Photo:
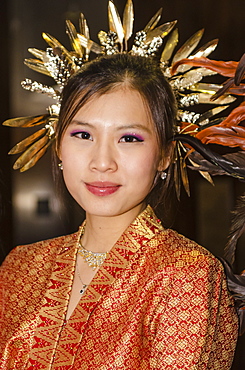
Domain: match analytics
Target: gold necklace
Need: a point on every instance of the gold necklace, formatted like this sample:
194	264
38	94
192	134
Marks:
93	259
84	286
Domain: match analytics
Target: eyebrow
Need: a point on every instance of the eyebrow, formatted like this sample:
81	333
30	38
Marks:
75	122
122	127
135	126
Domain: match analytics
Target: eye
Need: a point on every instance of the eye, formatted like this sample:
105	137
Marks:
82	135
131	139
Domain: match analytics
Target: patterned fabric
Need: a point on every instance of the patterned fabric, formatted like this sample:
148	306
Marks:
159	301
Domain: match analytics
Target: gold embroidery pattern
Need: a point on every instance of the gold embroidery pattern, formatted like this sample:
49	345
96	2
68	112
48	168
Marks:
159	301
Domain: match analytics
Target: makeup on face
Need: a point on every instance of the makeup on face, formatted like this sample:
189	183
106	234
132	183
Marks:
110	154
129	136
102	188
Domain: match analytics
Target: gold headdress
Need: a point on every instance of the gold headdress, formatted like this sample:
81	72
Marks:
59	63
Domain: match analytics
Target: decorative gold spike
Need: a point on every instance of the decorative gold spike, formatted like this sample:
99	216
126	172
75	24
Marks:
201	71
204	174
33	160
115	23
128	20
29	121
207	176
188	47
37	53
160	31
53	43
37	66
170	45
83	26
89	44
153	21
205	87
206	49
184	175
30	152
204	98
74	40
22	145
84	30
177	177
210	113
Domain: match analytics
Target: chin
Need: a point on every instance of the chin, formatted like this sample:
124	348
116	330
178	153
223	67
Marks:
109	210
104	212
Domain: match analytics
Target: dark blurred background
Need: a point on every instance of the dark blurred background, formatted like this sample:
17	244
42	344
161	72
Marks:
31	207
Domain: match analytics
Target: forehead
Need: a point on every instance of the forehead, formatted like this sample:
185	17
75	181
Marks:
118	104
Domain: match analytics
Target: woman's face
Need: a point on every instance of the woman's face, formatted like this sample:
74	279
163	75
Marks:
110	154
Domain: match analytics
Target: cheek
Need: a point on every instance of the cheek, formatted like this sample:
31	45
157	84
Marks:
151	160
61	150
69	161
143	167
67	154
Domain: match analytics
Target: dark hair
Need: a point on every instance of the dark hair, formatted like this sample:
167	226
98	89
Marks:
109	72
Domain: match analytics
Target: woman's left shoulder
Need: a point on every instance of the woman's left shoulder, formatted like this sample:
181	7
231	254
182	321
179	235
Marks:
181	251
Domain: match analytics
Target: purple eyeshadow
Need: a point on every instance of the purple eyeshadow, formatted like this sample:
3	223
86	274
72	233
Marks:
74	132
138	137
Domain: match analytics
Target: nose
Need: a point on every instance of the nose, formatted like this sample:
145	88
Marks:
104	157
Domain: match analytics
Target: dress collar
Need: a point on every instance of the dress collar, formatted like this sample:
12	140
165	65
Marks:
53	312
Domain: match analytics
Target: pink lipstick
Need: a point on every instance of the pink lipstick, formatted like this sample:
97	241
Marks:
102	188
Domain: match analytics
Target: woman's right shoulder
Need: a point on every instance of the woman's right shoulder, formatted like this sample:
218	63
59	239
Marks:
37	251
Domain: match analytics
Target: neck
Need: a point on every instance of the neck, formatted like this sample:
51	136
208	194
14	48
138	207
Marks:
101	233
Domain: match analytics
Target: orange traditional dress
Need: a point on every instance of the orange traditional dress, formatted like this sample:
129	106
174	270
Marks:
159	301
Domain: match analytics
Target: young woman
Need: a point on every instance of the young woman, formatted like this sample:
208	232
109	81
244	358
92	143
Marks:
122	292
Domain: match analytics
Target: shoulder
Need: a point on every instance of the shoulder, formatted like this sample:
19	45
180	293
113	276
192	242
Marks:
175	250
166	247
36	253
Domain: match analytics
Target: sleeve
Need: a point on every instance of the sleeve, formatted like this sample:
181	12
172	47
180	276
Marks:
198	329
15	303
10	281
23	279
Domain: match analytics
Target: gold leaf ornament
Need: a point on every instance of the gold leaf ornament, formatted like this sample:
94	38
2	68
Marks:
27	121
26	160
74	40
115	23
128	21
153	21
161	31
169	47
22	145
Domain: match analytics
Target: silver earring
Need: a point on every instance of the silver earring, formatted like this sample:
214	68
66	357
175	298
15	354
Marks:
60	165
163	175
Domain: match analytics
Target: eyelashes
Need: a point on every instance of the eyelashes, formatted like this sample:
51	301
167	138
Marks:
127	138
81	135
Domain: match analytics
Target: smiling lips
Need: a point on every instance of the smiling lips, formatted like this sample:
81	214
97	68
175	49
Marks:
102	188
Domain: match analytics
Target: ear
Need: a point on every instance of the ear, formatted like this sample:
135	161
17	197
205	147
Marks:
163	164
166	157
58	152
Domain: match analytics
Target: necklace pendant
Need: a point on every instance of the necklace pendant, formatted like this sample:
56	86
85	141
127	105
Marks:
83	289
